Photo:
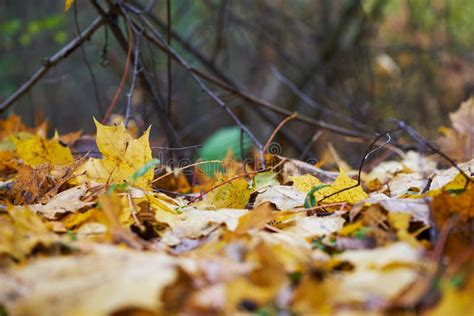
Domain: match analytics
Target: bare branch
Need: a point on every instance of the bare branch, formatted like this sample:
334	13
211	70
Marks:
52	61
162	43
157	101
136	71
88	65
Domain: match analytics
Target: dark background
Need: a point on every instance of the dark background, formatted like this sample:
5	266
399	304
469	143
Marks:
366	61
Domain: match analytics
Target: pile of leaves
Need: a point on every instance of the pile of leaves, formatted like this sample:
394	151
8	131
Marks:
82	235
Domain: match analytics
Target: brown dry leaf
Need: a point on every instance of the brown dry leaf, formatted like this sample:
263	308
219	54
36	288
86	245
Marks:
101	282
71	138
458	142
118	218
8	163
447	204
255	219
312	296
263	283
67	201
174	182
30	184
13	125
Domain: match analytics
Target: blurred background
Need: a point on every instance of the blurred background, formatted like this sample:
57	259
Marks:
352	63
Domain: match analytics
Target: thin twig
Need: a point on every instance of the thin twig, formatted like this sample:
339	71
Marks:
370	150
53	61
312	103
136	71
154	93
274	108
86	61
209	64
310	144
252	99
202	194
186	167
123	79
424	143
179	148
168	60
157	35
272	136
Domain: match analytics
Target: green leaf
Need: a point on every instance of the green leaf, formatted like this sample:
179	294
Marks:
310	200
264	179
143	170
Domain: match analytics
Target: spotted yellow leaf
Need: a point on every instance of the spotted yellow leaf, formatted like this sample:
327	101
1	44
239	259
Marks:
122	157
234	194
342	182
305	182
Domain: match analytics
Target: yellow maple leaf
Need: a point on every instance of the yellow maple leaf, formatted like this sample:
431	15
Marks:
401	222
37	150
304	183
122	157
235	194
22	231
68	4
352	196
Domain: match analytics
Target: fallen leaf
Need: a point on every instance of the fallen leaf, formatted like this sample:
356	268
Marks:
265	179
255	219
400	253
122	155
458	142
419	209
30	184
313	226
379	274
68	201
342	182
37	150
284	197
21	231
305	182
193	223
101	282
234	194
401	222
